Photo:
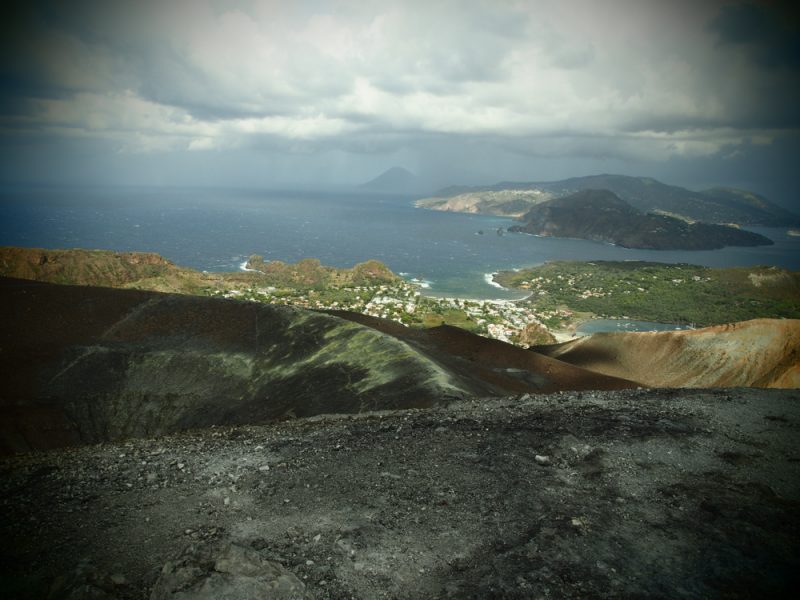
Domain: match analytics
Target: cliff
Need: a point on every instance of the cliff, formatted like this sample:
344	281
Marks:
84	267
502	203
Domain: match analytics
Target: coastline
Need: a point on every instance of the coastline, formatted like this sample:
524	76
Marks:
489	277
427	288
563	334
243	267
570	331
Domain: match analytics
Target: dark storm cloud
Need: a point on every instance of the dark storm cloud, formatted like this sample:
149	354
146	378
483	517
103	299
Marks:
759	46
495	84
769	31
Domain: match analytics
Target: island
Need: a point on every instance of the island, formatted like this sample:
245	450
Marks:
602	216
719	205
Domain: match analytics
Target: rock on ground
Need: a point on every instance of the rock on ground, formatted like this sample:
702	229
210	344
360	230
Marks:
647	494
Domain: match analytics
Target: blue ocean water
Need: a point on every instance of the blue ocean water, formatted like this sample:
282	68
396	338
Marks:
215	230
621	325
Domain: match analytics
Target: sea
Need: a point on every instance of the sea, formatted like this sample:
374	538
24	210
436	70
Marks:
626	325
448	254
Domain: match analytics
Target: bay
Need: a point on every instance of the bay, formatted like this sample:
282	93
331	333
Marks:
625	325
217	229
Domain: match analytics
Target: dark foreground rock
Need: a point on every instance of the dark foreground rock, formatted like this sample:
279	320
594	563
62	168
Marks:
640	493
86	365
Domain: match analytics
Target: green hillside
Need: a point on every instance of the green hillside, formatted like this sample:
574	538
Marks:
657	292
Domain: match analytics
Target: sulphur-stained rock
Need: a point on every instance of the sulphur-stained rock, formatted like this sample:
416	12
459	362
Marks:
236	572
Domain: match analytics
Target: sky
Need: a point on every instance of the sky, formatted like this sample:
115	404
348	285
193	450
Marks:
327	93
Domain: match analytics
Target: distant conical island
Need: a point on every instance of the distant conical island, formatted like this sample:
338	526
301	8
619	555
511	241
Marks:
397	180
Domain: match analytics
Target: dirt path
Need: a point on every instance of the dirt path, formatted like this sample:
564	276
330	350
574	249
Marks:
607	494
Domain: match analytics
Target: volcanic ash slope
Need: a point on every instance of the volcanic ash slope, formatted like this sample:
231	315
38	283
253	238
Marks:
759	353
85	365
621	494
91	364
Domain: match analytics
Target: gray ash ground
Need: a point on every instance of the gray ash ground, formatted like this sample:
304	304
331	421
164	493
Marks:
670	493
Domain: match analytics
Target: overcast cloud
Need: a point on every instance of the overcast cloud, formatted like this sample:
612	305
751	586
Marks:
315	93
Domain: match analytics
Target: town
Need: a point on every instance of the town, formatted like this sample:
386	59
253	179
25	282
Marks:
402	302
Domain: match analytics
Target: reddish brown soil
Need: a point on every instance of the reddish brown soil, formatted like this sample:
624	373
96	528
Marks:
759	353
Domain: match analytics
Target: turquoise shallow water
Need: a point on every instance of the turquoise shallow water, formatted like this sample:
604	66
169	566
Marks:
621	325
216	230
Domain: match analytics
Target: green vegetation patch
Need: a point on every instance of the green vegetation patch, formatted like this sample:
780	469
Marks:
666	293
447	316
309	273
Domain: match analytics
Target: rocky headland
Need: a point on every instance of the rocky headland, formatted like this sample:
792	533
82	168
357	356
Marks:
716	205
149	271
311	273
501	203
602	216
